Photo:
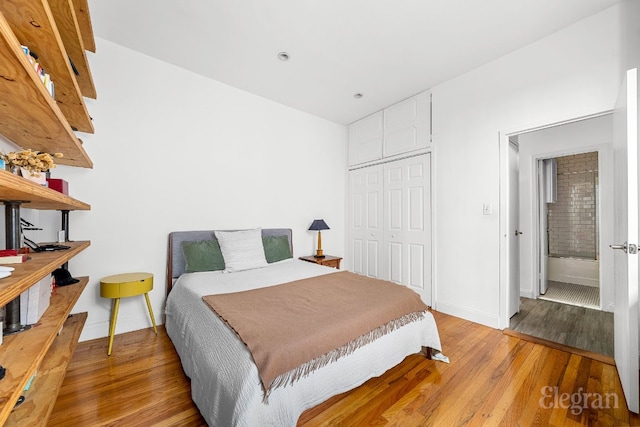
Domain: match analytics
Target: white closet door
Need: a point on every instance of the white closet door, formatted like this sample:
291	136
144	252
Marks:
407	224
365	221
365	139
407	125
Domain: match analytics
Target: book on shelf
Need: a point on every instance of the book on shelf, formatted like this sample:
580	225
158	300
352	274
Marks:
13	259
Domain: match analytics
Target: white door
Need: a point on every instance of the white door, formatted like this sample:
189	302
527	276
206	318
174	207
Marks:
407	216
625	145
407	125
365	221
365	139
514	232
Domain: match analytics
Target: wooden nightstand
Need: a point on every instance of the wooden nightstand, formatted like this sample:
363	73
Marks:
328	260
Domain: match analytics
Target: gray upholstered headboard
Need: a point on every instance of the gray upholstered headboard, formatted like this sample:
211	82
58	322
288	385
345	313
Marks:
175	258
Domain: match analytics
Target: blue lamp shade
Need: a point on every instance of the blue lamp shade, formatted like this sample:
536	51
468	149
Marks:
318	224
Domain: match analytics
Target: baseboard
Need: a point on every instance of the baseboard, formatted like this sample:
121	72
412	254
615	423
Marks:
100	329
468	314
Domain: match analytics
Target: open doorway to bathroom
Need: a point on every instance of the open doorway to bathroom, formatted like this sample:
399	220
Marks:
572	230
565	213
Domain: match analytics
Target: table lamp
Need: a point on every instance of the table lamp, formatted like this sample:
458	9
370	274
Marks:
319	224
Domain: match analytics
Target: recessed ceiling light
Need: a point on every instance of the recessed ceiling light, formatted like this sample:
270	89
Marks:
283	56
357	95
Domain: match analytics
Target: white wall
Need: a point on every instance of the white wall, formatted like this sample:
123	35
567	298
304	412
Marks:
582	136
176	151
572	73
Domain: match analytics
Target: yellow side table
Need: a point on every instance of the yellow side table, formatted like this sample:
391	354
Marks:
122	286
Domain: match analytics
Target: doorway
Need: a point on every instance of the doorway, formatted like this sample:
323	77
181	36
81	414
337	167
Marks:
584	140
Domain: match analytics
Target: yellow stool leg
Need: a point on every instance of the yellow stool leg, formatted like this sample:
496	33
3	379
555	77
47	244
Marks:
153	320
112	327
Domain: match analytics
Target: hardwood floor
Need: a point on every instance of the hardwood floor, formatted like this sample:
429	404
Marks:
493	379
579	327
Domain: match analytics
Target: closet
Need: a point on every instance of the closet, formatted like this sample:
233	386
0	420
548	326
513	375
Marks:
389	195
389	222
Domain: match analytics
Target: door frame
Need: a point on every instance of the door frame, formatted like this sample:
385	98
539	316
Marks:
505	185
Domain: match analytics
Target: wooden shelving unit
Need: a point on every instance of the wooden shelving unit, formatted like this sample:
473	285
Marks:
58	31
23	354
29	116
34	25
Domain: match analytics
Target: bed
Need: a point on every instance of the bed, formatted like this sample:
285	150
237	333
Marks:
225	382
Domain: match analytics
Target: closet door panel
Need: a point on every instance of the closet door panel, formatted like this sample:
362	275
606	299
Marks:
390	223
416	266
407	237
395	262
365	221
373	259
357	253
356	222
365	139
407	125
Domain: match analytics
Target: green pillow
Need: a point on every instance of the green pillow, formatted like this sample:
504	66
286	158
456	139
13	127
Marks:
202	255
276	248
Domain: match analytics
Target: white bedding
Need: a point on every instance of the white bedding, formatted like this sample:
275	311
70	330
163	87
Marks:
224	380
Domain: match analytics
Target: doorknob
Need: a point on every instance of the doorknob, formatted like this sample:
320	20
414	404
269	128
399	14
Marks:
630	248
518	233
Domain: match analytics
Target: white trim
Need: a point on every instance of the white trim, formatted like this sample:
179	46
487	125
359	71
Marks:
390	159
470	314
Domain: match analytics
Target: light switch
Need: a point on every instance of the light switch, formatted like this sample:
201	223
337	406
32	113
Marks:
487	209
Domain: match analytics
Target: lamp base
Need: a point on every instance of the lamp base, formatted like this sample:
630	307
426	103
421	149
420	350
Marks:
318	256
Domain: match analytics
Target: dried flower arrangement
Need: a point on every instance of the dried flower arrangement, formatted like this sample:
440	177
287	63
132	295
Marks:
33	161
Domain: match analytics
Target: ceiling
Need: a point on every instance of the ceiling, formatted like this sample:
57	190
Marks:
387	50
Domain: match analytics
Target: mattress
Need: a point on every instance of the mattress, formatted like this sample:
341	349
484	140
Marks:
225	384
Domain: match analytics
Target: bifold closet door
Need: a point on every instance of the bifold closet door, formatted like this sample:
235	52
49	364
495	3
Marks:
365	221
407	224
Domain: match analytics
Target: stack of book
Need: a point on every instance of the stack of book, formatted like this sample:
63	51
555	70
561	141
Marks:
12	256
45	77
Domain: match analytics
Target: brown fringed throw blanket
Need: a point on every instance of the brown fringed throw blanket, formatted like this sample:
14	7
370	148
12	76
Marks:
295	328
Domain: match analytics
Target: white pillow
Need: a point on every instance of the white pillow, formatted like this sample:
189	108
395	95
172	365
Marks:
242	250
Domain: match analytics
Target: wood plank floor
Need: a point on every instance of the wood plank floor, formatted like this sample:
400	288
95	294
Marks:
493	379
574	326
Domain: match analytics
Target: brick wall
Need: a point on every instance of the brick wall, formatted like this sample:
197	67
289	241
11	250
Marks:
573	220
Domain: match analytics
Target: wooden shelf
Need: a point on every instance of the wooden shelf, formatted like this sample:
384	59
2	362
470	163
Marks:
40	265
33	24
23	353
41	396
69	29
34	196
28	115
84	22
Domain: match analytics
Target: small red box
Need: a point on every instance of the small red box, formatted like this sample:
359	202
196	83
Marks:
59	185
